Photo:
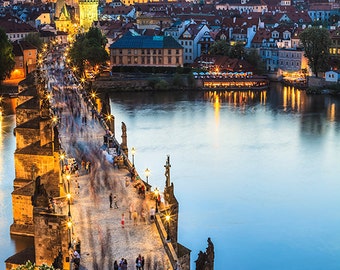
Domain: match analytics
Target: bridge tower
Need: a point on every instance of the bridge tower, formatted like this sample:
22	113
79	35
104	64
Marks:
88	13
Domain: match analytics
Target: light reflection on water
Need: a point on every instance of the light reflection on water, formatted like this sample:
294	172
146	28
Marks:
9	245
255	171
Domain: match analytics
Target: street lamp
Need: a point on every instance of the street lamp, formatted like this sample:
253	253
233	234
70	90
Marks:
68	195
69	226
156	198
133	152
167	219
147	173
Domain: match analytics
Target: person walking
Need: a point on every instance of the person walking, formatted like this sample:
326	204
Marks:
115	201
122	221
139	262
110	198
135	217
115	265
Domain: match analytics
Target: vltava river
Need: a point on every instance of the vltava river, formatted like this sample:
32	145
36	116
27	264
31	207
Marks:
258	172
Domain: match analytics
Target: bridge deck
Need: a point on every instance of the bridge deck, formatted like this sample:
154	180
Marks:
95	224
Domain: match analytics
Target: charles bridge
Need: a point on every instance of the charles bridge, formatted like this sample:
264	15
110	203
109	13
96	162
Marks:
65	208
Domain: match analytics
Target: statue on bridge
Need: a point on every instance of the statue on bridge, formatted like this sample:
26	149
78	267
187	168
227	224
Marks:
40	197
205	259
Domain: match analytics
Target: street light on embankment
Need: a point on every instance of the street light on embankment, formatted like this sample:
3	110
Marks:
167	219
147	173
133	152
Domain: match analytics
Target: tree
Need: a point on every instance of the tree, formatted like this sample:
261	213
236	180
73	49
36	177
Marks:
89	47
253	58
6	56
316	42
35	40
237	51
220	47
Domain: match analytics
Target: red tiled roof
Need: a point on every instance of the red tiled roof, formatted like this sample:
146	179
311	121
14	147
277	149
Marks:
16	26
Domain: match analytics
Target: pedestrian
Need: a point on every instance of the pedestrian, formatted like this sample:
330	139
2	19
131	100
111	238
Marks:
143	262
139	262
130	210
115	265
135	216
115	201
61	205
152	214
122	222
125	265
110	199
143	215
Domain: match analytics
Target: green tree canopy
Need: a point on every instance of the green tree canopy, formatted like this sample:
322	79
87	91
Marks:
35	40
6	56
237	51
89	47
316	42
220	47
253	58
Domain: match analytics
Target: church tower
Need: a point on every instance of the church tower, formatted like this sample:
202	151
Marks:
88	13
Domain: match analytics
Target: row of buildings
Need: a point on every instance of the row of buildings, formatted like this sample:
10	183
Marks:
181	33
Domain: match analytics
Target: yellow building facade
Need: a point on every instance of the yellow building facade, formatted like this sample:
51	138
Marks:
88	13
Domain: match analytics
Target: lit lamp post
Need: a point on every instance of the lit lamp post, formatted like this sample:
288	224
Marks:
133	152
68	195
69	226
147	173
167	219
156	198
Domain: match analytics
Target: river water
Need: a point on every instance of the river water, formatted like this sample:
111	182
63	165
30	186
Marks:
256	171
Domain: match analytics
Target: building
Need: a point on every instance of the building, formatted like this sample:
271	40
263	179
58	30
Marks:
15	28
88	13
332	76
25	56
190	41
153	51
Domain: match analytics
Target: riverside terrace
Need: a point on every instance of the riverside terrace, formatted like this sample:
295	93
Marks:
231	81
84	220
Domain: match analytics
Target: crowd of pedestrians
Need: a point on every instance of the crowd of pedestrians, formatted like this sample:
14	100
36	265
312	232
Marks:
73	110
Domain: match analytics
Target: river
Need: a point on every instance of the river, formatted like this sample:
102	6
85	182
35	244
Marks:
256	171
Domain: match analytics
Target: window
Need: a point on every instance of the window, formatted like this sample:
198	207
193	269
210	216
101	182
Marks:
120	51
136	60
148	51
129	51
120	59
154	60
143	52
129	60
177	51
159	60
136	51
177	60
159	51
143	60
154	51
169	59
148	60
114	60
169	51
